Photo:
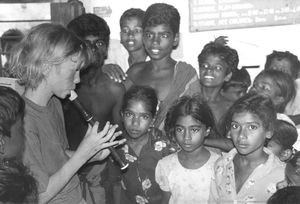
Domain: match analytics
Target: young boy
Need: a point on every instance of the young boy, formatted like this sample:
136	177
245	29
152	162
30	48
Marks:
237	86
169	78
47	62
98	94
131	37
283	139
249	172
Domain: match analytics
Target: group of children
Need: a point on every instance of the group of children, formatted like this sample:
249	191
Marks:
176	125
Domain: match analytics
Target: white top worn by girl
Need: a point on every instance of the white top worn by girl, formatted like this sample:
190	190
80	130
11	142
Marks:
189	186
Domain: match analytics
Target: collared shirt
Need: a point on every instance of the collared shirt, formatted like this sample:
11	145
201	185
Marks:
259	186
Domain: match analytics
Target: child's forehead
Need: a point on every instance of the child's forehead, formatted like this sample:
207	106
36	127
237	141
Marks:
131	20
246	116
159	28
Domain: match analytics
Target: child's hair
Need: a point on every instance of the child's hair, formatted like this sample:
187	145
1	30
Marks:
90	24
161	13
194	106
293	161
256	104
226	53
132	13
16	183
12	108
141	93
9	38
44	46
285	134
293	59
240	78
284	83
287	195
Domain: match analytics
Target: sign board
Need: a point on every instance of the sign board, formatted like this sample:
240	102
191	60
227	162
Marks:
229	14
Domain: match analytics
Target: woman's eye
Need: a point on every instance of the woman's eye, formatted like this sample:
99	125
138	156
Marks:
128	114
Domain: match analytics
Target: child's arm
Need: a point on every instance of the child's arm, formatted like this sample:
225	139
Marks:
223	144
92	143
165	197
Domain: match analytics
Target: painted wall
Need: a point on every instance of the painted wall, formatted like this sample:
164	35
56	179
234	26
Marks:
253	44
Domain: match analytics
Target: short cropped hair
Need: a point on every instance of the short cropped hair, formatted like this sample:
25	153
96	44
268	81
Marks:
285	134
132	13
9	37
227	54
293	59
12	108
90	24
240	78
161	13
256	104
44	46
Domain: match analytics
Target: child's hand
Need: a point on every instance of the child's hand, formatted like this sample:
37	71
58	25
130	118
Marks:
95	141
114	72
221	40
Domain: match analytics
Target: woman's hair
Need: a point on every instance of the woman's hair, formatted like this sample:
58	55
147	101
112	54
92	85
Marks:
132	13
90	24
193	106
17	185
285	84
161	13
43	47
145	94
12	108
256	104
226	53
279	55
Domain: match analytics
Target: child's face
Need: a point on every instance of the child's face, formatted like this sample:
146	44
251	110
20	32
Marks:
190	133
248	133
64	77
14	145
159	41
213	71
98	46
266	86
136	119
131	34
283	65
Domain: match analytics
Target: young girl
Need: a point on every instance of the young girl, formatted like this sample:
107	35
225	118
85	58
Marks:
185	176
249	172
143	149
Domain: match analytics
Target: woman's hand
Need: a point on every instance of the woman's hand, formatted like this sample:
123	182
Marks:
114	72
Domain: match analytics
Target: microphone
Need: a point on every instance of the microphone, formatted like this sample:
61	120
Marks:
90	119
